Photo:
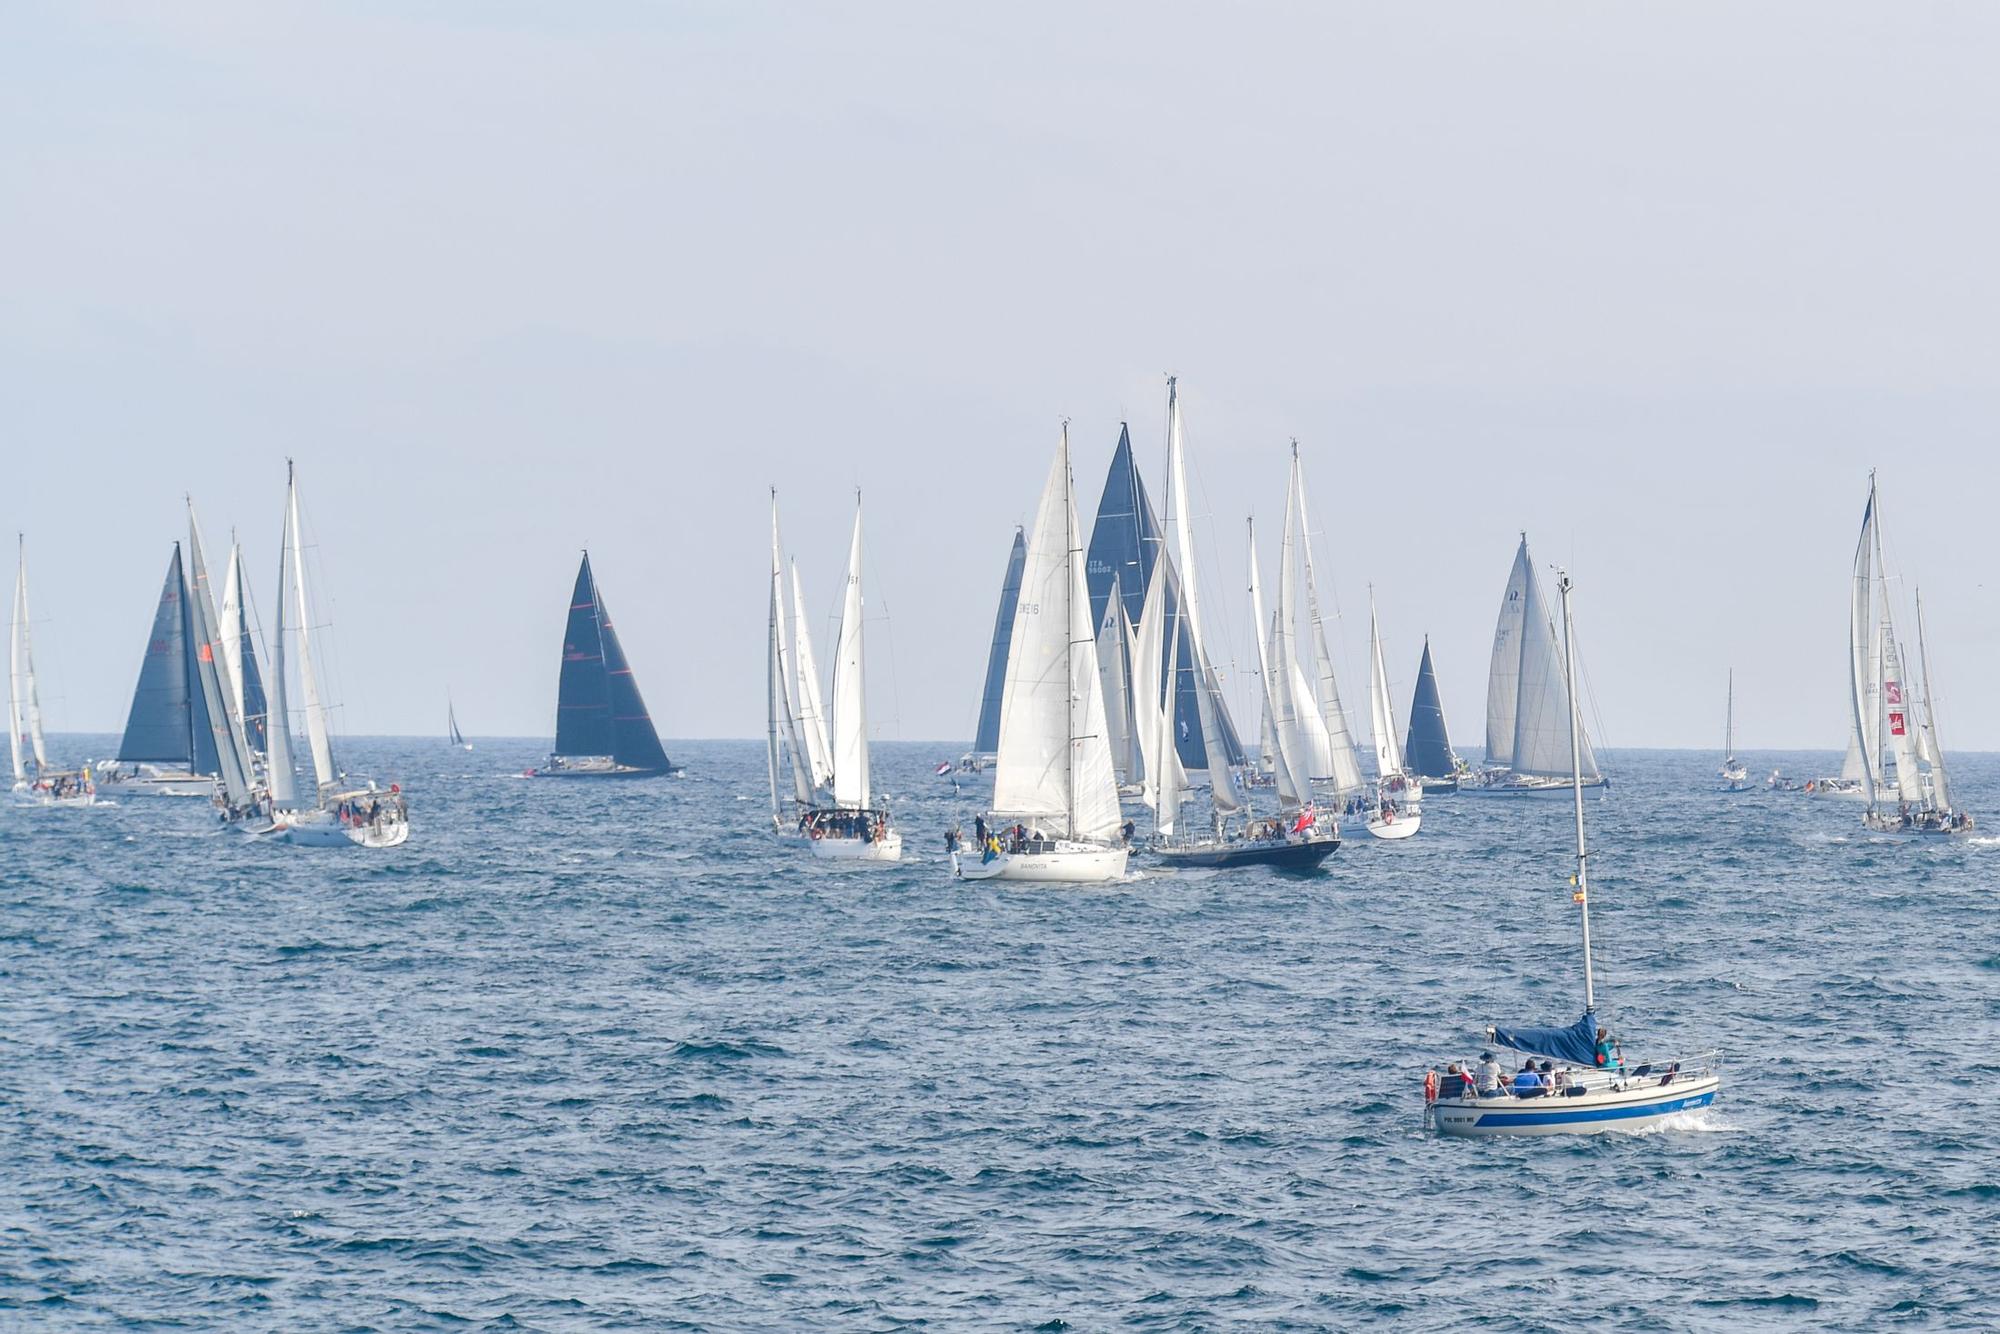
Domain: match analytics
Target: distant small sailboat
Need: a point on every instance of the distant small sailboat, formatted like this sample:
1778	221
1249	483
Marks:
453	736
35	780
977	763
1591	1091
602	727
1055	813
1428	747
1912	764
1526	745
1399	798
337	812
168	748
1735	777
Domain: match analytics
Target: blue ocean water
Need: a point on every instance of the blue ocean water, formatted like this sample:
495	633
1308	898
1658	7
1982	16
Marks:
608	1055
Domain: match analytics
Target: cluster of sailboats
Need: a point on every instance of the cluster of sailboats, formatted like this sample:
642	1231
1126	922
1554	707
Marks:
206	721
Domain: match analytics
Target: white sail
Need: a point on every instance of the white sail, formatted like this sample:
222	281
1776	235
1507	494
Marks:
1114	670
1940	783
1343	769
1215	723
1173	784
1150	731
232	741
1054	765
231	641
850	694
1281	724
1864	667
1503	678
317	734
24	703
811	713
1316	746
280	773
1899	728
784	733
1388	750
1541	719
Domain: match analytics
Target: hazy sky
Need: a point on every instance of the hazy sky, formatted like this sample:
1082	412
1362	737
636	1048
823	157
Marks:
1657	283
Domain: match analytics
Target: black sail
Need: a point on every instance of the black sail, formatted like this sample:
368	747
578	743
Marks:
1125	545
255	708
160	728
583	697
988	740
1428	749
634	742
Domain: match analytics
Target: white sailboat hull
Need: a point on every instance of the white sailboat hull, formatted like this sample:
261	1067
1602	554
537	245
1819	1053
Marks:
1065	863
1635	1106
160	784
888	848
1517	786
27	795
1404	825
322	829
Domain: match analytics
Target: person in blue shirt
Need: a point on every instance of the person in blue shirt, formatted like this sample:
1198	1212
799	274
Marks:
1528	1084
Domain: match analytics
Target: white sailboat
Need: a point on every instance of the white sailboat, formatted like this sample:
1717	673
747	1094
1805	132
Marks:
853	827
1581	1086
1735	777
1911	771
1399	797
335	813
1055	810
1526	745
35	780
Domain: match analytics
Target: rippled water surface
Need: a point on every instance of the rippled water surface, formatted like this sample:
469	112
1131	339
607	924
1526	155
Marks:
600	1055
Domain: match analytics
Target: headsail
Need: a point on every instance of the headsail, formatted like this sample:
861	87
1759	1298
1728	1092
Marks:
1388	756
167	724
24	701
583	694
1503	678
1343	769
232	752
849	734
811	713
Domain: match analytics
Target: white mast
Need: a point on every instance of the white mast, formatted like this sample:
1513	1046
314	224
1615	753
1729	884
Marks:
850	694
1576	785
1729	724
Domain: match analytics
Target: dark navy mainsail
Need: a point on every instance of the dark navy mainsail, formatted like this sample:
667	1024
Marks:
1576	1044
583	694
1428	749
1125	545
598	708
255	709
160	728
987	741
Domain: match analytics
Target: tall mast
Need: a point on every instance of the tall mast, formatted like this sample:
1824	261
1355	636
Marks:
1576	786
773	679
1729	721
1074	553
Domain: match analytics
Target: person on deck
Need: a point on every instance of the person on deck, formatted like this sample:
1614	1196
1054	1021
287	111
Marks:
1490	1074
1606	1051
1528	1083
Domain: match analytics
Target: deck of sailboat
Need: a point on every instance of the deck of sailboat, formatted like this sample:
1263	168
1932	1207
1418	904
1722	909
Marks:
1283	854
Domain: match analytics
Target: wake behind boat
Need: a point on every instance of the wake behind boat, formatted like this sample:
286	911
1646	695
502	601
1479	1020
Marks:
1580	1085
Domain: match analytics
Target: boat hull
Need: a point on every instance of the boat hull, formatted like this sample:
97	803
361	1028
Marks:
1306	855
157	785
1560	789
320	829
1403	826
888	848
1593	1113
1439	784
605	771
1072	864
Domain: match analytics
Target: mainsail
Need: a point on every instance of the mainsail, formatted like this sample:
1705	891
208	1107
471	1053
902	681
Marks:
849	734
1341	767
225	725
1287	766
1527	722
599	711
1388	757
241	678
805	685
24	702
1429	744
784	736
987	739
167	723
1114	668
1054	764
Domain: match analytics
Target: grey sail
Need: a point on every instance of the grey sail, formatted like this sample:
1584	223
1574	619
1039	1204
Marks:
168	723
1428	749
987	741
